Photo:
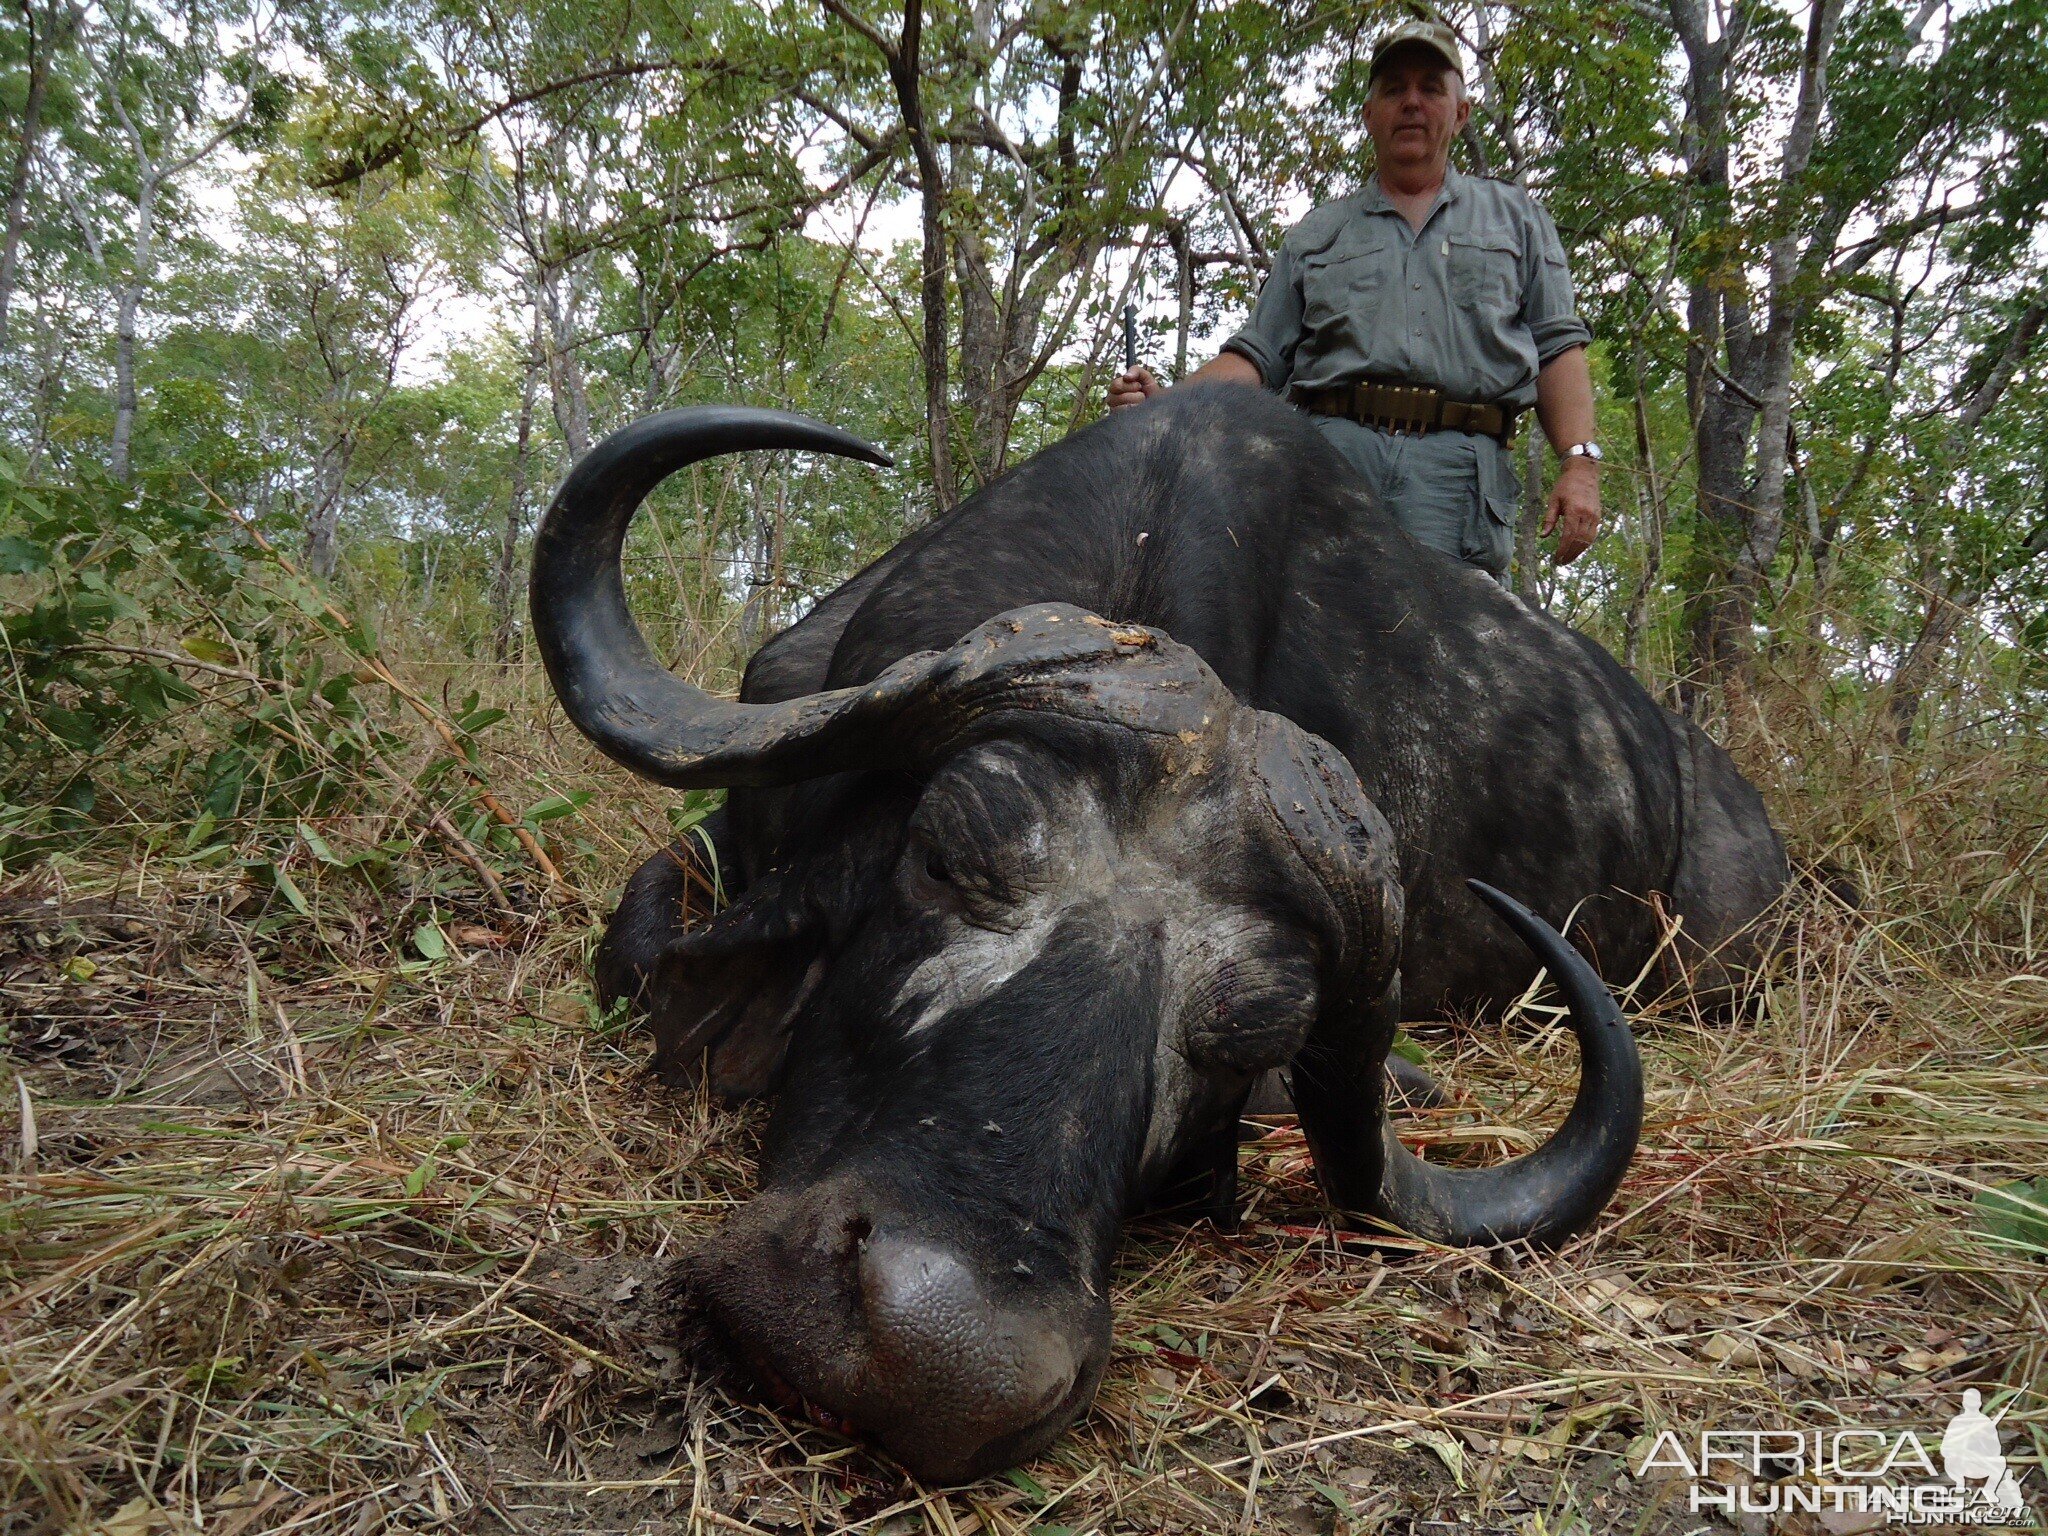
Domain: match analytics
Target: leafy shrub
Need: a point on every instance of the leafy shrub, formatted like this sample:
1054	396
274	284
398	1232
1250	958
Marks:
169	676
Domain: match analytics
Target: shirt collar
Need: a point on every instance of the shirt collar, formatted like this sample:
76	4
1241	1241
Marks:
1375	199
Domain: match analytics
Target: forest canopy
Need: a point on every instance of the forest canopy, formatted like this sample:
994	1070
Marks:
373	274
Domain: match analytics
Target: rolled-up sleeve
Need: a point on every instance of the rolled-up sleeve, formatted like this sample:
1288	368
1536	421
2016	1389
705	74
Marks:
1274	330
1547	305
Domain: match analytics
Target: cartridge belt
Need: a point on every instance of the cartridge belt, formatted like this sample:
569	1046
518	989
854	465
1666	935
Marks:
1411	408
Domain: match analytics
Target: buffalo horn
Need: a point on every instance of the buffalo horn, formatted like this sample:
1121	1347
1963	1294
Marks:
1561	1187
641	715
616	693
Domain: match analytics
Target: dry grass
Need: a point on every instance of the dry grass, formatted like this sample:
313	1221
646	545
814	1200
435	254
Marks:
313	1234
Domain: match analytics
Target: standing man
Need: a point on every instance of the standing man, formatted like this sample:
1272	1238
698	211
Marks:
1418	319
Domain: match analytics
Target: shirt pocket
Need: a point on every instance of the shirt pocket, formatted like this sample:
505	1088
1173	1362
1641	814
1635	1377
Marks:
1341	288
1485	272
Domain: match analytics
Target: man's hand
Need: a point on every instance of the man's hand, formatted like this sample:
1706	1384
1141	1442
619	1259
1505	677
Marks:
1133	388
1574	510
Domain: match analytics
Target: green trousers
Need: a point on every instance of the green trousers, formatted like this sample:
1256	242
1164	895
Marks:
1452	490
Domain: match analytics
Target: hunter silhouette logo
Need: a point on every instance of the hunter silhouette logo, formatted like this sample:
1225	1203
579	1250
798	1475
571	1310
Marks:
1971	1451
1883	1472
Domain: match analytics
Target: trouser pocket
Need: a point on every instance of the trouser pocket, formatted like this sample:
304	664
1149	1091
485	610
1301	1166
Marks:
1497	502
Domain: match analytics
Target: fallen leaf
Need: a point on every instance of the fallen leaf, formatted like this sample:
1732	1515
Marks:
1920	1361
243	1496
1797	1361
1602	1292
1737	1349
1850	1522
1528	1448
138	1517
1447	1449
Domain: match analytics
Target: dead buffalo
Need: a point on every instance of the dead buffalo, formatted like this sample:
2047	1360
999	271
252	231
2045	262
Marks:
1162	762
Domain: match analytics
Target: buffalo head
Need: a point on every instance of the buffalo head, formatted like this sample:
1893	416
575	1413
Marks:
1055	901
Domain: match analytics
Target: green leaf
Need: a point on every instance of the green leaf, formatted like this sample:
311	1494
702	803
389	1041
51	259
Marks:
556	806
421	1176
72	727
2015	1214
1409	1049
308	599
318	845
206	648
1342	1504
431	943
218	1374
292	893
1026	1483
20	557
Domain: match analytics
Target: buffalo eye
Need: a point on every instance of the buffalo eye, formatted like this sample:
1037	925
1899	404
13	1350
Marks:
929	876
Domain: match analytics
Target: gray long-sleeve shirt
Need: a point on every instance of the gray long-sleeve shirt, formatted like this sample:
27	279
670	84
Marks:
1474	303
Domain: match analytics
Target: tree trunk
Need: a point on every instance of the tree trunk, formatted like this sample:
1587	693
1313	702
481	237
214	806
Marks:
1528	582
1650	509
931	190
566	388
981	351
323	520
39	51
762	560
1765	513
141	270
1183	294
505	578
1945	615
121	444
1717	353
1739	384
1959	598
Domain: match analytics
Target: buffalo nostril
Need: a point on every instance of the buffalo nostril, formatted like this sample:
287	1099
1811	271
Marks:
935	1329
855	1231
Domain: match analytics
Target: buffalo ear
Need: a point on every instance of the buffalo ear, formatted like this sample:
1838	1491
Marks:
716	992
721	994
721	1001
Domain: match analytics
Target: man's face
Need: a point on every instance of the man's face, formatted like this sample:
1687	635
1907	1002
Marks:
1416	108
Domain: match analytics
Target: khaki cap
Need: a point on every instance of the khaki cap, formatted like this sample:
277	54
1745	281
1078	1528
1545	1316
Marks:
1433	35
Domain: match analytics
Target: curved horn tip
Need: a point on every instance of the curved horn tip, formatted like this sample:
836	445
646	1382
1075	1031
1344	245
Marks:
1571	969
873	455
1558	1190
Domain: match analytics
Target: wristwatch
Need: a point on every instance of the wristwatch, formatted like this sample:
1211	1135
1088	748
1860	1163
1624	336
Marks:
1585	450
